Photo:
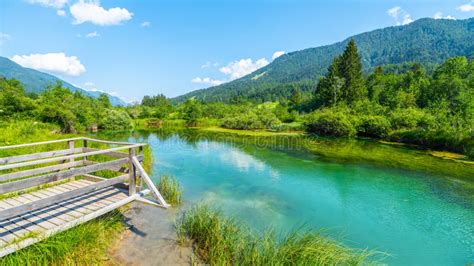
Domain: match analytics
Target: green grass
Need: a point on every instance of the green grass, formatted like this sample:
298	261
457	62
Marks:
219	240
85	244
170	189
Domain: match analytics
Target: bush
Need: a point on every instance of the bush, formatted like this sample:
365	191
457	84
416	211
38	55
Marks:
116	120
330	122
243	121
410	118
374	126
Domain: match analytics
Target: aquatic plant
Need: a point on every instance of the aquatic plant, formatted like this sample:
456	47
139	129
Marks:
171	190
219	240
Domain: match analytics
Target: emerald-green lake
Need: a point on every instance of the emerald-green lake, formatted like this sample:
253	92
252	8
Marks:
417	218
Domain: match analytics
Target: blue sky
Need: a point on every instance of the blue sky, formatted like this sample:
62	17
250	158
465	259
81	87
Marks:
132	48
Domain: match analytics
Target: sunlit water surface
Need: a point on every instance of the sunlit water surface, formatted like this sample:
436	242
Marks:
416	218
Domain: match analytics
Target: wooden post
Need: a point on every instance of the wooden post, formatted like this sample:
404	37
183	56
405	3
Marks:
85	146
140	180
70	145
131	172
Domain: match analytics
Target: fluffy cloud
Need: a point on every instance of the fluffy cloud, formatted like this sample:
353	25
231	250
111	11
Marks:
52	62
4	38
145	24
207	81
50	3
89	84
401	16
466	7
242	67
61	13
92	12
93	34
277	54
439	15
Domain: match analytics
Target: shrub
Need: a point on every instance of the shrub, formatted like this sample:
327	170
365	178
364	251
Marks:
116	120
330	122
410	118
248	120
374	126
170	189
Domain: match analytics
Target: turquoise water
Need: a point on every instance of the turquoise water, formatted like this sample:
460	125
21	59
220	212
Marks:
416	218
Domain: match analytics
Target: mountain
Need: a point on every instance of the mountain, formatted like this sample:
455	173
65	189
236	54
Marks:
36	81
427	41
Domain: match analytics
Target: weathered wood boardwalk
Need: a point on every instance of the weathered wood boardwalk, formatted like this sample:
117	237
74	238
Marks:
47	192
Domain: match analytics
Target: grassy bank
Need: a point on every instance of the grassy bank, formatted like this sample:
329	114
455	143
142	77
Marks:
85	244
219	240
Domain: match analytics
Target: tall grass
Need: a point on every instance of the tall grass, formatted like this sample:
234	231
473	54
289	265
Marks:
84	244
170	189
219	240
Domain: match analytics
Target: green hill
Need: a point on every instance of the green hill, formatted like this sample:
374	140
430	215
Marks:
427	41
36	81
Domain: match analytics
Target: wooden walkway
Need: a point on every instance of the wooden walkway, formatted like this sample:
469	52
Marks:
51	191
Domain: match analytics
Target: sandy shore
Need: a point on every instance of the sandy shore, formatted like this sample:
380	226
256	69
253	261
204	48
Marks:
150	239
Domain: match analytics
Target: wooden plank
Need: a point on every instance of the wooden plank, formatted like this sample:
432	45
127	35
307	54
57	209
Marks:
12	248
38	180
62	158
112	142
37	156
116	154
37	171
37	143
149	183
29	206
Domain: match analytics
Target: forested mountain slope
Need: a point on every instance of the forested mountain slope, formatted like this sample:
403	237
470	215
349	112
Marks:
426	41
36	81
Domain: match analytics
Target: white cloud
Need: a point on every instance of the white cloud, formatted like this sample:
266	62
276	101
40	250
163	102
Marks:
277	54
207	81
4	38
210	64
145	24
93	34
61	13
400	16
242	67
439	15
466	7
92	12
89	84
52	62
50	3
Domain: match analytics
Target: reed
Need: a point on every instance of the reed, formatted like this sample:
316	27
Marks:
219	240
171	190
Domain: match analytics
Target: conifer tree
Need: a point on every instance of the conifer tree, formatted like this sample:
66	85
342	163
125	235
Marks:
350	68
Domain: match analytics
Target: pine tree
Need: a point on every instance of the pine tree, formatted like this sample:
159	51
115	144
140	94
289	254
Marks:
350	68
329	90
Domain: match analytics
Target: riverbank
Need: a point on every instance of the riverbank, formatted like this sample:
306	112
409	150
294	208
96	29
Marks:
354	151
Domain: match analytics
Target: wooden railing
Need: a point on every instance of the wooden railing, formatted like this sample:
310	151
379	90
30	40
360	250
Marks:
27	171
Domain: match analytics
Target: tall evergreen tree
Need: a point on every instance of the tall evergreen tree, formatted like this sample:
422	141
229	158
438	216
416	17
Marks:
329	90
350	69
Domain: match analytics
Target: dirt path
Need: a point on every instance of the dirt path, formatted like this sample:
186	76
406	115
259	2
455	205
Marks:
150	239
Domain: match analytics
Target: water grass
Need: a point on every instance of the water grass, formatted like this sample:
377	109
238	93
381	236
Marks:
85	244
219	240
170	189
